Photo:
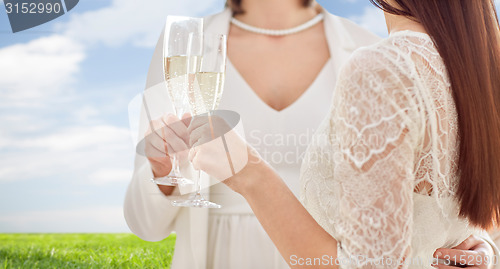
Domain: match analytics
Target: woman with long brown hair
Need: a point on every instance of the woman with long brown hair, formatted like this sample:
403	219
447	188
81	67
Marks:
408	159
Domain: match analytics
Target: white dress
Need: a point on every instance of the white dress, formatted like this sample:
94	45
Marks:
232	237
381	176
281	138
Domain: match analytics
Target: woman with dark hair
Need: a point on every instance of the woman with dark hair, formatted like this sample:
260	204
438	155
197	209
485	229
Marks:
406	163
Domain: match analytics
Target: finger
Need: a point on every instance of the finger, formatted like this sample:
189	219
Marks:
478	245
197	122
198	134
192	154
155	146
159	160
201	141
202	137
153	152
443	266
195	162
161	149
458	256
195	154
177	126
175	143
186	119
469	243
164	144
164	137
155	136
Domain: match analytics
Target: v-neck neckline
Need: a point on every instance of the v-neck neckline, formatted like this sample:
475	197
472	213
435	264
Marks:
295	102
336	37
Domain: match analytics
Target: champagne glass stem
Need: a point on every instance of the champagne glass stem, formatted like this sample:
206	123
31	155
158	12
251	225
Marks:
198	185
175	164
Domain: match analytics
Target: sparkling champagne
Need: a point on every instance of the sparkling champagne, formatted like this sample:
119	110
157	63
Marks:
207	91
179	71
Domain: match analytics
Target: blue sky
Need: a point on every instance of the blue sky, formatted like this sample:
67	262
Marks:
66	152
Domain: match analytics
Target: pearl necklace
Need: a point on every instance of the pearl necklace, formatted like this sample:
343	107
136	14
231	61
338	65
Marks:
282	32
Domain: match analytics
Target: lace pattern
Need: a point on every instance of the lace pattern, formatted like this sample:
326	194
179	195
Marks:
391	134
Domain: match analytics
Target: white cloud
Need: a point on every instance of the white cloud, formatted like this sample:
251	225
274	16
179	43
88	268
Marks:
95	219
86	113
106	176
77	138
137	22
372	19
45	66
20	123
77	151
39	68
37	90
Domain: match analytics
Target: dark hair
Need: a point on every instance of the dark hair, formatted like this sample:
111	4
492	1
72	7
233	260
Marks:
235	5
467	36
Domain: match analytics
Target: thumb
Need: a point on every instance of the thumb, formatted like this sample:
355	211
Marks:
186	119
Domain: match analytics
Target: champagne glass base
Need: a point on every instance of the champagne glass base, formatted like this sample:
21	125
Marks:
172	181
198	201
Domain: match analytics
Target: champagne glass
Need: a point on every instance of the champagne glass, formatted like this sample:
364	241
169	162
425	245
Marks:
204	97
181	55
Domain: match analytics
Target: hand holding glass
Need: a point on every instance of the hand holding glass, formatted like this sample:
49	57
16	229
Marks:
204	96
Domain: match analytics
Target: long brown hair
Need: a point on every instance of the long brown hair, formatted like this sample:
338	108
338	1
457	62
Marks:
235	5
466	34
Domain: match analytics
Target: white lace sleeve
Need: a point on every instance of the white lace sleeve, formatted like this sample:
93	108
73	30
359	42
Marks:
377	129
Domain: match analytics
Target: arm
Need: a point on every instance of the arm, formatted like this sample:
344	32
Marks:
286	221
376	132
147	209
376	171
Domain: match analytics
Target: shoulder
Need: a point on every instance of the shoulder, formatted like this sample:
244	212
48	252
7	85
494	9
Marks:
403	54
218	20
382	70
383	76
384	59
350	32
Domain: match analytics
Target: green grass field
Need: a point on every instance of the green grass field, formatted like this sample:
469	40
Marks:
83	251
